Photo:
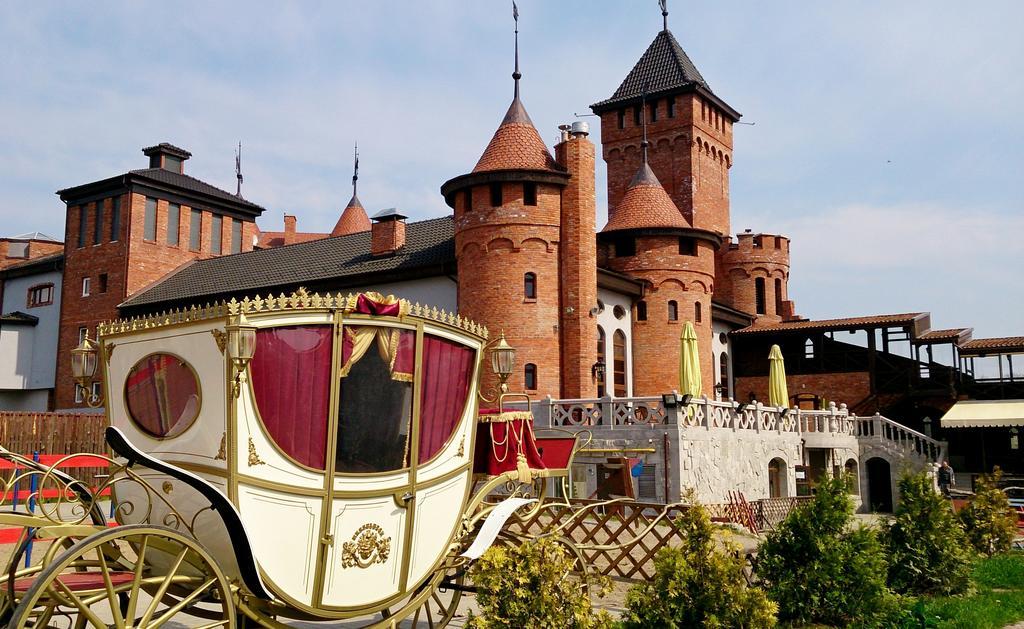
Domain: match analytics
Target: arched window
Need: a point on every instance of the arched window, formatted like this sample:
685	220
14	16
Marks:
723	375
850	469
759	300
673	310
778	296
698	312
530	286
602	377
641	311
619	363
809	348
777	481
530	377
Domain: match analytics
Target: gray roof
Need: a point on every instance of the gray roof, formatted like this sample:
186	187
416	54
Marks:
162	175
34	236
343	260
664	67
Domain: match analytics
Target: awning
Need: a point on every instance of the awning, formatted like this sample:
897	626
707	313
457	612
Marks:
985	414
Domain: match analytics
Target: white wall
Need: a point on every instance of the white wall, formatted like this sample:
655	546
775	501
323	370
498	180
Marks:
717	347
608	322
28	354
440	291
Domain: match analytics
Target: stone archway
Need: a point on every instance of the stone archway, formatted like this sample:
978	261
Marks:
778	484
850	468
879	494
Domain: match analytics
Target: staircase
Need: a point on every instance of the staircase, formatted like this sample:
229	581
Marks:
878	435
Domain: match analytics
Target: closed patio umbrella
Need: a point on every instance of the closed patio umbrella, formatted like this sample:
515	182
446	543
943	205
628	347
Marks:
778	393
689	362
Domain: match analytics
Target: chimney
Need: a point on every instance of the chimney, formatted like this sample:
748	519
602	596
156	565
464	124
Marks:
289	229
167	156
387	234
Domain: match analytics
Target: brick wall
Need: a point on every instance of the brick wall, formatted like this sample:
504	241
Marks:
754	256
36	249
690	154
841	388
496	247
578	271
668	276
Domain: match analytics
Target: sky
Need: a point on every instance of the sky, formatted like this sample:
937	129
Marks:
883	137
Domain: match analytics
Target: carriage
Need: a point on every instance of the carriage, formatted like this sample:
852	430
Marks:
301	457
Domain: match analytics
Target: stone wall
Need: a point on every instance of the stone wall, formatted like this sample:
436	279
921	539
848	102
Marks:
713	462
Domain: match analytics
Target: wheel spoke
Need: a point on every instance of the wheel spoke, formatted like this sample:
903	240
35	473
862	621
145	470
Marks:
163	587
180	605
219	623
140	562
77	602
115	607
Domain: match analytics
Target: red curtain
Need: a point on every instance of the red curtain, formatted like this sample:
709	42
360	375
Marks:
162	395
447	369
291	378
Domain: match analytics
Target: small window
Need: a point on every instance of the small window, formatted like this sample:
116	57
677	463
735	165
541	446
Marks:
619	364
81	334
654	111
86	286
759	299
601	375
778	296
622	118
530	377
687	246
17	250
467	200
173	221
83	217
671	106
97	225
162	395
637	116
673	310
115	219
625	246
41	295
529	193
723	375
778	242
216	234
641	311
619	312
101	282
236	236
530	285
809	348
149	224
698	312
79	394
172	163
496	199
195	230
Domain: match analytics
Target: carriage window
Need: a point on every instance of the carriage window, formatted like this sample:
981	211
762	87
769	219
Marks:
291	381
162	395
447	372
376	399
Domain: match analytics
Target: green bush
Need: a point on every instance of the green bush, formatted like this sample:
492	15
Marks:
698	585
530	585
928	550
990	524
819	568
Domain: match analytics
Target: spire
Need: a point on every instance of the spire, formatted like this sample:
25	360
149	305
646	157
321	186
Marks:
643	119
353	219
516	75
664	14
355	170
238	170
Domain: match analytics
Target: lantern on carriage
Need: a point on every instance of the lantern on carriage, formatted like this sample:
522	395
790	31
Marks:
84	360
241	347
503	360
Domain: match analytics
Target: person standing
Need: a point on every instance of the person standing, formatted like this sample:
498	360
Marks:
946	478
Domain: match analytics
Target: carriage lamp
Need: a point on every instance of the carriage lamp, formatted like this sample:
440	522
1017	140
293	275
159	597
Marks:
84	360
241	348
503	360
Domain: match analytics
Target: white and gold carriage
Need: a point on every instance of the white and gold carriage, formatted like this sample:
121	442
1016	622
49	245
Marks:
299	457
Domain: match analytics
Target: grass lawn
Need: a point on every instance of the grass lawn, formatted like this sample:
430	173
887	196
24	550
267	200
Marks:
999	600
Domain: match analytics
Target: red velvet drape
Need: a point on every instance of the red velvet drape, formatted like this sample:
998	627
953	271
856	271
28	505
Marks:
291	378
447	369
162	395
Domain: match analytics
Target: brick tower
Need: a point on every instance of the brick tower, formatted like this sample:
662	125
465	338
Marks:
353	219
512	213
667	142
127	231
753	276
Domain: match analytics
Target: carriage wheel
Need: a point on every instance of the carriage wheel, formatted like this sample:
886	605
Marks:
438	609
121	577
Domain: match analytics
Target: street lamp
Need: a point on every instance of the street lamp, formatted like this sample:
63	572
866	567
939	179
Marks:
241	348
84	360
503	361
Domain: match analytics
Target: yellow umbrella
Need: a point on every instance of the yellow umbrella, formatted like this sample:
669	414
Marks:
689	362
778	393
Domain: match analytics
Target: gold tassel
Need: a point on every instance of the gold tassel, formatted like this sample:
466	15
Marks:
525	475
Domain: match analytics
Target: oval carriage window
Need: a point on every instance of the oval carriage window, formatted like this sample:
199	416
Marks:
162	395
291	381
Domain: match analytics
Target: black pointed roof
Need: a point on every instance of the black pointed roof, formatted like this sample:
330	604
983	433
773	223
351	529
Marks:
663	68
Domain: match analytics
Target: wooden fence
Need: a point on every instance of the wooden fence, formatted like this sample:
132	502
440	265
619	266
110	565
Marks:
55	434
625	524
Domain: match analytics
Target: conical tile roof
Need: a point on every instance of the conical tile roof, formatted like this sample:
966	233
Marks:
664	66
516	145
645	205
353	220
